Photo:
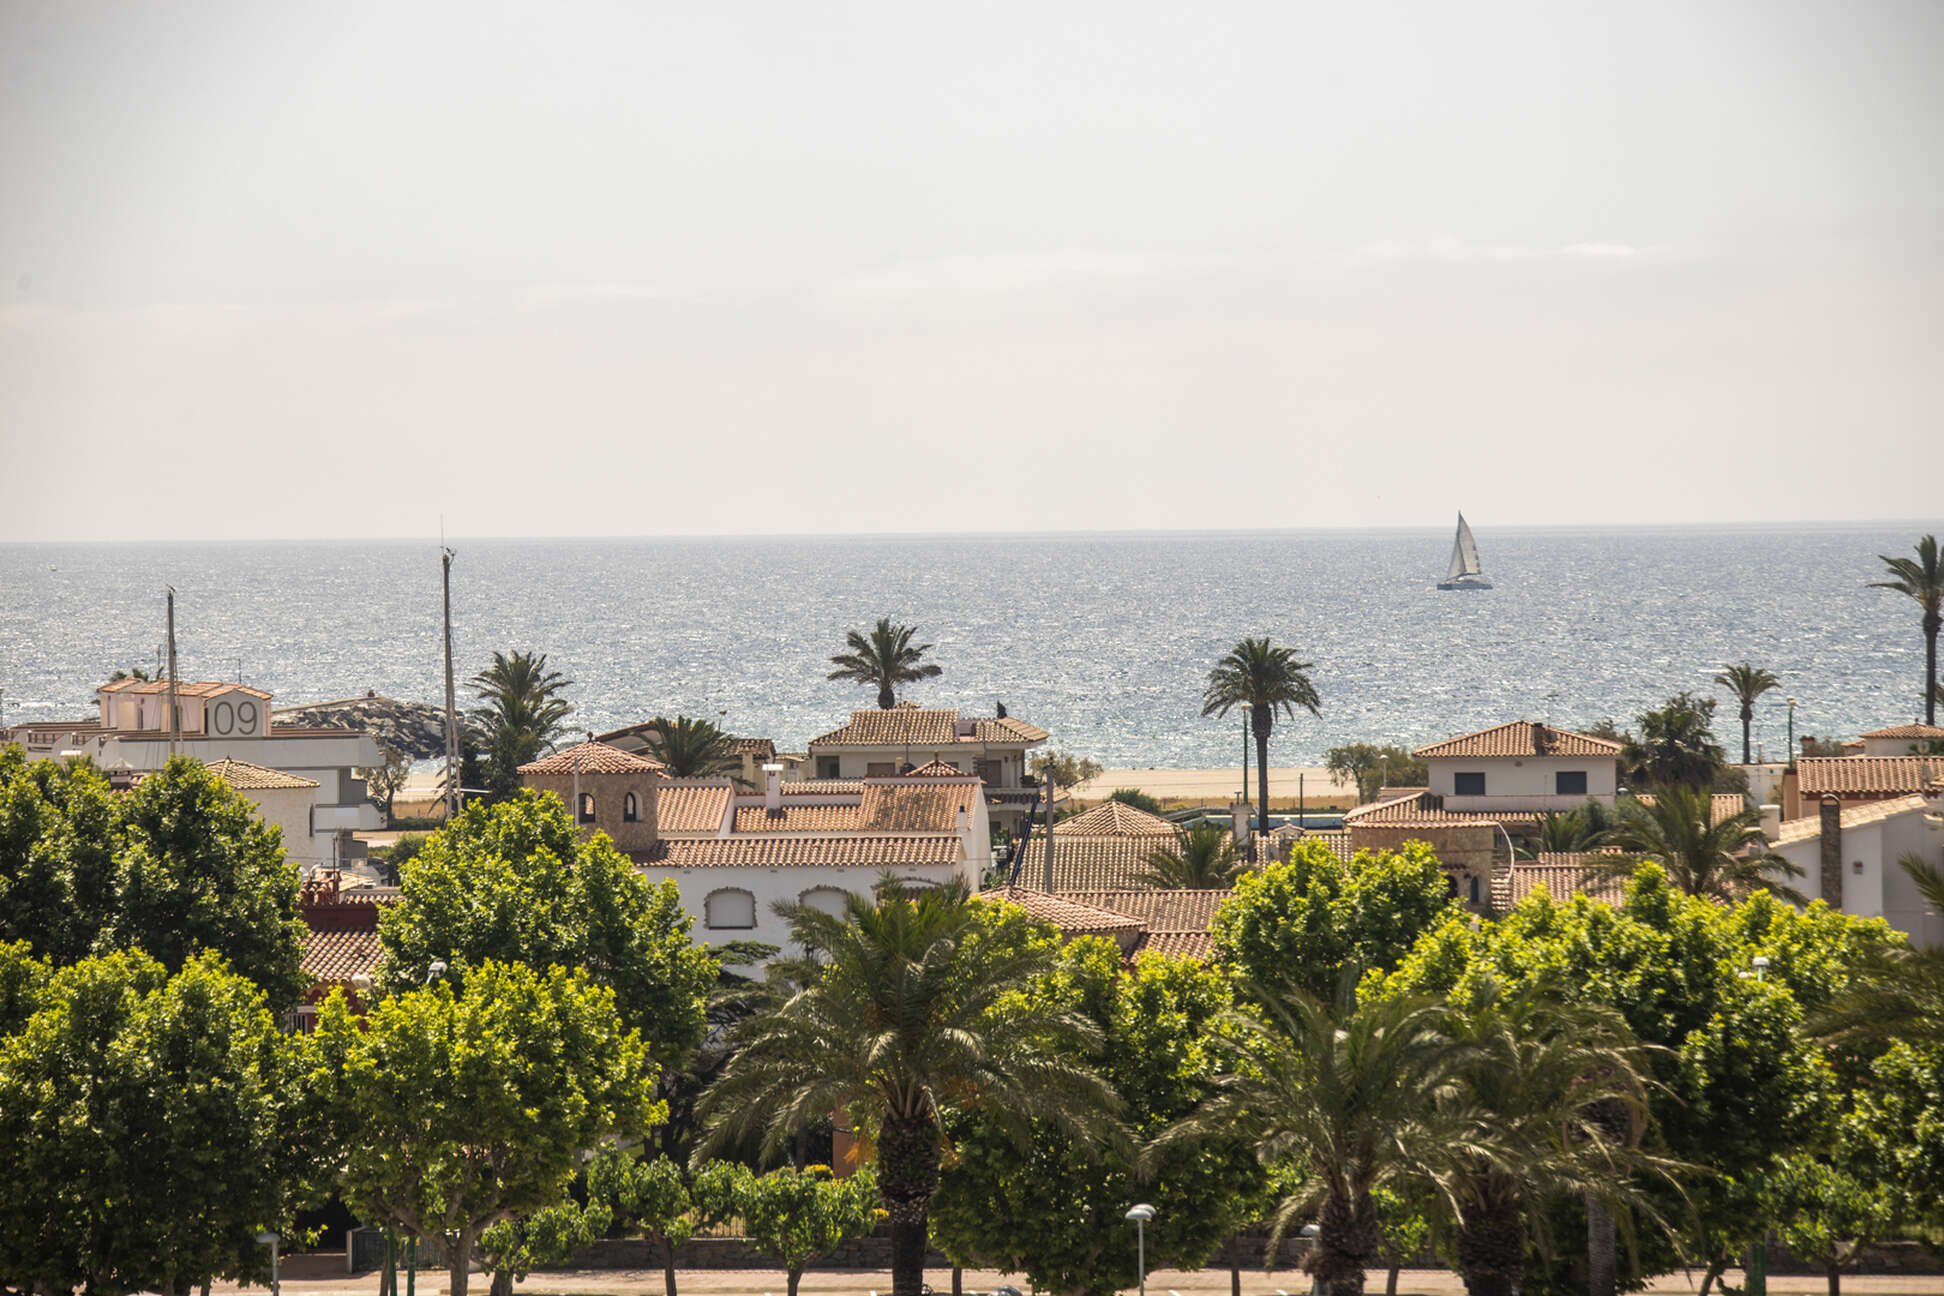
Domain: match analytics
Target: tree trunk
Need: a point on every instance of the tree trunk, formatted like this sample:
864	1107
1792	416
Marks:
1235	1271
668	1265
1602	1277
1932	624
1390	1281
1491	1247
886	698
1748	718
1347	1243
794	1276
1261	720
1835	1281
503	1283
907	1178
461	1266
1716	1267
958	1280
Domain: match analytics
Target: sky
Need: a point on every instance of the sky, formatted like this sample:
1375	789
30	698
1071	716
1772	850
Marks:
358	270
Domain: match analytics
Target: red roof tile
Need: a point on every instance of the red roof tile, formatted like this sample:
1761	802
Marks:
1116	819
1522	738
1866	775
771	851
592	758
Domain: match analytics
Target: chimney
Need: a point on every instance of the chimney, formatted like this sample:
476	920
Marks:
1806	740
1538	738
964	825
1791	793
1771	821
1239	821
1832	852
773	789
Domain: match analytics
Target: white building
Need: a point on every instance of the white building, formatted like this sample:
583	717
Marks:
735	854
222	720
1525	766
880	744
1901	740
1848	857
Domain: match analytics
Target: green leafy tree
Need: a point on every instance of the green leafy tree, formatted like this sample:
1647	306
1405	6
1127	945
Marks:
459	1110
1827	1214
1922	580
655	1198
1897	992
1064	768
522	716
1747	682
1266	679
1299	922
1724	860
147	1127
551	1235
1136	798
692	748
57	854
196	868
1368	767
914	1011
1347	1095
1733	1084
383	781
1676	747
800	1215
1203	858
1896	1127
1405	1230
517	881
1054	1211
883	660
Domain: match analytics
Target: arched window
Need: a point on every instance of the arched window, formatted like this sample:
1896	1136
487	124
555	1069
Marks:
587	807
729	909
1474	890
1451	886
630	808
824	899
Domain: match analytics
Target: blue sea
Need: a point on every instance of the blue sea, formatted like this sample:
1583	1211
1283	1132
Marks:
1106	640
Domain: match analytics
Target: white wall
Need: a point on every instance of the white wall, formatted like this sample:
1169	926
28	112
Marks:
770	885
1525	776
1879	888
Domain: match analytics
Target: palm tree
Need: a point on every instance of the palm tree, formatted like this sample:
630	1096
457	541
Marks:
887	659
1897	992
1676	745
1725	861
1202	859
1265	679
692	748
1555	1092
915	1009
523	714
1922	579
1747	683
1348	1098
1582	828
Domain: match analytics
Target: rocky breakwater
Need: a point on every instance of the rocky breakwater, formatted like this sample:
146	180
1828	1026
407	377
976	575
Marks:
416	729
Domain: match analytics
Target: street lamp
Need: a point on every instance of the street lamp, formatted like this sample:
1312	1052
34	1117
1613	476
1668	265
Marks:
270	1240
1791	753
1312	1232
435	971
1141	1214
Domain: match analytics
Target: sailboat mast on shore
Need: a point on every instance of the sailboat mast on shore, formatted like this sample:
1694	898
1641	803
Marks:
1464	571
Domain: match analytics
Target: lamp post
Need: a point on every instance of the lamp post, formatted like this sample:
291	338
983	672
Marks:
270	1240
1791	753
1140	1215
1312	1232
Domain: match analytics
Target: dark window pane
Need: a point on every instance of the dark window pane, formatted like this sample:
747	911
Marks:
1570	783
1468	784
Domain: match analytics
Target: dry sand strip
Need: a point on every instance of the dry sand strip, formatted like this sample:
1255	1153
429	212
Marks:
325	1276
1218	786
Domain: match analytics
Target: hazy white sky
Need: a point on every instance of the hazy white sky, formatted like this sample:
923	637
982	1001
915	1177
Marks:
282	269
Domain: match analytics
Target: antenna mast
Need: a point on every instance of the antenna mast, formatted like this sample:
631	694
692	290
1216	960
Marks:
175	706
453	792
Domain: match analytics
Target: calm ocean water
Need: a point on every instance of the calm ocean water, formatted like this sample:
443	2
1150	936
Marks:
1103	639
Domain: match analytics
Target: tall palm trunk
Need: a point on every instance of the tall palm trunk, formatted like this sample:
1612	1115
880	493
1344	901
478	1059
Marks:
1932	622
1491	1246
1347	1243
1748	719
907	1178
886	698
1602	1257
1261	721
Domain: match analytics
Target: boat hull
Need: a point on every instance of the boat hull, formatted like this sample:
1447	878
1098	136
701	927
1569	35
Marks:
1465	583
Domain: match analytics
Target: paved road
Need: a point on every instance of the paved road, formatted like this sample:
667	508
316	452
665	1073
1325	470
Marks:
325	1276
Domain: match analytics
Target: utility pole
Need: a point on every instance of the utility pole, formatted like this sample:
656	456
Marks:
1048	776
175	706
1245	765
454	798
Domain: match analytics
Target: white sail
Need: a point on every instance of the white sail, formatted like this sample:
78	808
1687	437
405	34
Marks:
1464	552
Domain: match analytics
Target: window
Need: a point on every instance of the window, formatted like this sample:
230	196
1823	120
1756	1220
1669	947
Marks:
730	910
1451	886
989	772
881	769
1570	783
587	807
631	808
1468	784
824	899
826	767
1473	889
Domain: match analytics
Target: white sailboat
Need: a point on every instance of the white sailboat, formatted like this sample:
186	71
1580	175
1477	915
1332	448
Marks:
1464	562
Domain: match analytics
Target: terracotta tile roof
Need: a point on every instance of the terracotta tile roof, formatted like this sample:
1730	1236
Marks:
692	805
773	851
1089	863
824	787
1817	775
1337	841
1116	819
592	758
1562	874
1423	810
901	806
1914	732
1809	827
1159	910
1071	916
253	778
902	726
1722	806
1198	945
798	817
935	769
334	957
1008	729
752	746
1521	738
184	688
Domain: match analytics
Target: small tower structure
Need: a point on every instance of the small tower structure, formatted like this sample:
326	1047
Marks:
605	789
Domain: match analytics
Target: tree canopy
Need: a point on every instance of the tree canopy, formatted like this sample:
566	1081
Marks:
522	716
1266	679
883	660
